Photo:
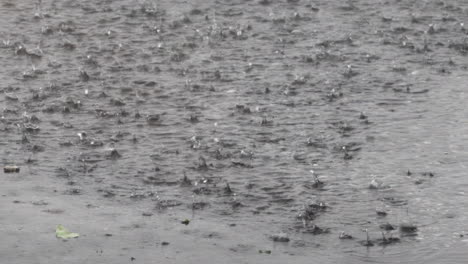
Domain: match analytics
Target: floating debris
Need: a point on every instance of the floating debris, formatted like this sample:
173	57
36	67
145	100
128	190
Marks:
62	232
185	222
11	169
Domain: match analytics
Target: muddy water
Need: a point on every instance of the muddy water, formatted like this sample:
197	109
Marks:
109	104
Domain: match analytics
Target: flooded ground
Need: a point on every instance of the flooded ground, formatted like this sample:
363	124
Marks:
282	130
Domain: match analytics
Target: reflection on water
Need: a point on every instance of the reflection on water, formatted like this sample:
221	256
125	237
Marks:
119	100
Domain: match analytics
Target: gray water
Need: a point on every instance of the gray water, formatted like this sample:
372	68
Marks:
254	94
